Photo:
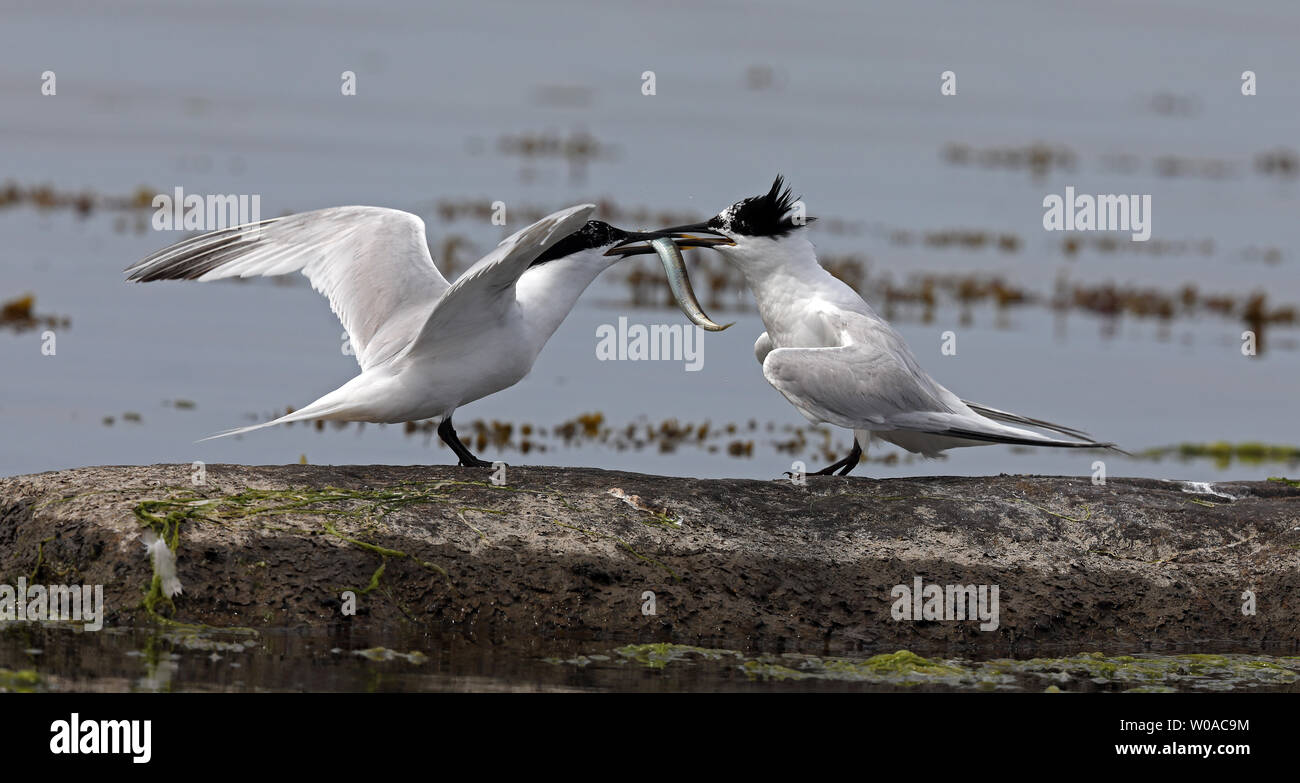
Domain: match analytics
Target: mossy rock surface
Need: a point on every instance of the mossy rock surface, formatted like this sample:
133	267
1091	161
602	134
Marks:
732	564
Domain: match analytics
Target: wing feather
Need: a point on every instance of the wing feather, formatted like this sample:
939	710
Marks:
865	385
372	263
476	300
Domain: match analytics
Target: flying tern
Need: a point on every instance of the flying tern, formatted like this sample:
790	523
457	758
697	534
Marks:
426	346
837	361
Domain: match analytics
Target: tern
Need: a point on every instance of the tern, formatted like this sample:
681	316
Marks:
837	361
426	346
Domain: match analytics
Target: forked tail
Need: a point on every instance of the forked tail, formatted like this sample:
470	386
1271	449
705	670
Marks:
313	411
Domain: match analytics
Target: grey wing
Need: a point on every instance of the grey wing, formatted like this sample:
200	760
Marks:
859	387
853	386
372	263
482	294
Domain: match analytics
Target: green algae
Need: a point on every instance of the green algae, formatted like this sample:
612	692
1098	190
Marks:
659	655
367	507
385	553
898	668
167	516
383	654
40	558
19	681
901	662
1145	673
901	667
1199	671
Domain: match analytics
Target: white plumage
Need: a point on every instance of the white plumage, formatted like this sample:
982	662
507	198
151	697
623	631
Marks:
837	361
425	346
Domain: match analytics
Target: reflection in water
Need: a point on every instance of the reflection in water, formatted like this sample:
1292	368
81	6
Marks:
350	658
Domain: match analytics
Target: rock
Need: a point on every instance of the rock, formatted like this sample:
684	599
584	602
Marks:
573	552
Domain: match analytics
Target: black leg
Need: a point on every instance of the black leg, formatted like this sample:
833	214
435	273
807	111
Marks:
467	459
844	465
854	456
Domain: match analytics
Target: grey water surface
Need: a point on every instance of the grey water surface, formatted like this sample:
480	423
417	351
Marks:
841	97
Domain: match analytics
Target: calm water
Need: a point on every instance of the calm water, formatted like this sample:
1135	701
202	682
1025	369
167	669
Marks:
844	100
344	658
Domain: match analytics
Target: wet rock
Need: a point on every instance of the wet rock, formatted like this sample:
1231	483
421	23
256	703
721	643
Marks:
554	553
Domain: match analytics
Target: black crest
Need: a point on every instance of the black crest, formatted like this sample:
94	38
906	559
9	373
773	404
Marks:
761	216
596	233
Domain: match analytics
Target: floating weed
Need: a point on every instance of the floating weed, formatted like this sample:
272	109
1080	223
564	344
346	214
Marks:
1204	672
384	654
659	655
898	668
1223	453
210	640
1093	670
901	662
18	314
579	661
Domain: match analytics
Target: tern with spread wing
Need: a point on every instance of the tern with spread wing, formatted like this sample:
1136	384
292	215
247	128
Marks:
425	346
835	359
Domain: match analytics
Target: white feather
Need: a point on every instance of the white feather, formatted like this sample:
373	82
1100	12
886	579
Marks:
164	563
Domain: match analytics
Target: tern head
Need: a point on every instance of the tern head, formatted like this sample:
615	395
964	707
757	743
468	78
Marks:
754	227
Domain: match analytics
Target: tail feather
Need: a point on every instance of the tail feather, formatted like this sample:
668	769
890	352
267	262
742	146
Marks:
1027	439
1015	418
932	432
312	411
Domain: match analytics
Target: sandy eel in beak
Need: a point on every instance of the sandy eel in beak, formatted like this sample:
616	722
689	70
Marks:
680	283
667	245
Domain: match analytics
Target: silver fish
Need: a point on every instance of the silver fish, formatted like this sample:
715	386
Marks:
680	283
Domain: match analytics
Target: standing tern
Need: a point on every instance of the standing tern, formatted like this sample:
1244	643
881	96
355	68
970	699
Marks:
425	346
834	358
